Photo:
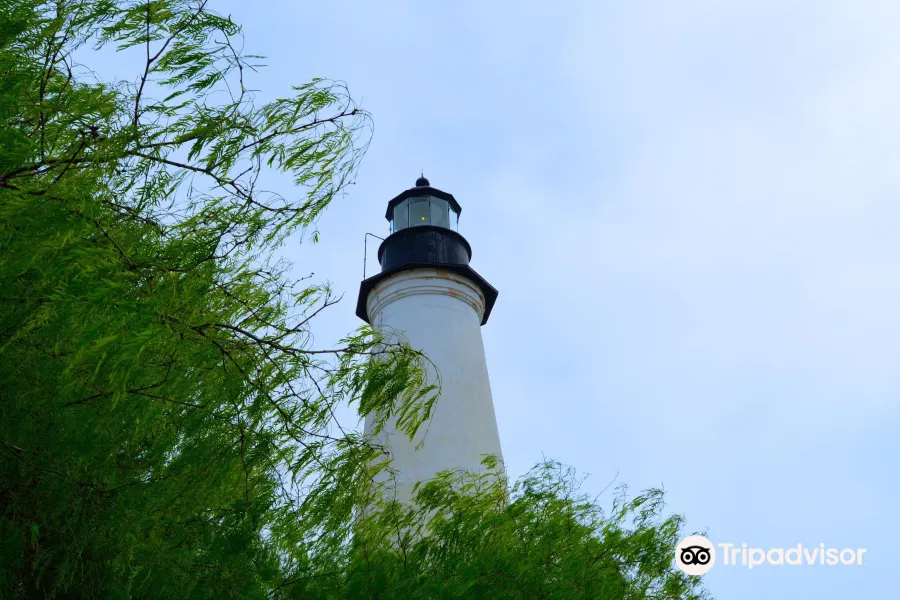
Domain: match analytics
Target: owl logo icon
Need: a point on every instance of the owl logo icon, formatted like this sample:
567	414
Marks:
695	555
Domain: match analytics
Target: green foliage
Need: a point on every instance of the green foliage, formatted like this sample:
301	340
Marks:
470	536
167	428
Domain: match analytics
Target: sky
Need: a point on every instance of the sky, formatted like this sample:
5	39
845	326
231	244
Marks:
690	210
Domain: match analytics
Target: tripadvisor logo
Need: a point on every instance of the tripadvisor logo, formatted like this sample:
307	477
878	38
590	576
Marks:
696	555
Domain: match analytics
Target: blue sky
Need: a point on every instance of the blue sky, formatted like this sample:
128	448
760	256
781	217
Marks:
690	210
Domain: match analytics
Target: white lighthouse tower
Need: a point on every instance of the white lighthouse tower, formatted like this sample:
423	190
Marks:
428	293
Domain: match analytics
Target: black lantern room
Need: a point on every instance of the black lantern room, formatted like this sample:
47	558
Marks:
423	205
424	226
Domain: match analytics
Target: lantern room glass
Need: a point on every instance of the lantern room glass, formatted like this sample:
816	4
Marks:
401	216
424	210
419	214
440	212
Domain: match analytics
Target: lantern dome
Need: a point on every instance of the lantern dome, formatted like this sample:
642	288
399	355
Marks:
423	205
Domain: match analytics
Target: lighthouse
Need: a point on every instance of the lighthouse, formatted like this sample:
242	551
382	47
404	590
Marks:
427	293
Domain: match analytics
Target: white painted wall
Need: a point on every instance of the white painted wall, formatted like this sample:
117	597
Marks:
440	313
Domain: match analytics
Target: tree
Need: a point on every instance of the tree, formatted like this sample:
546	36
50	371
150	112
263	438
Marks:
470	536
167	428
